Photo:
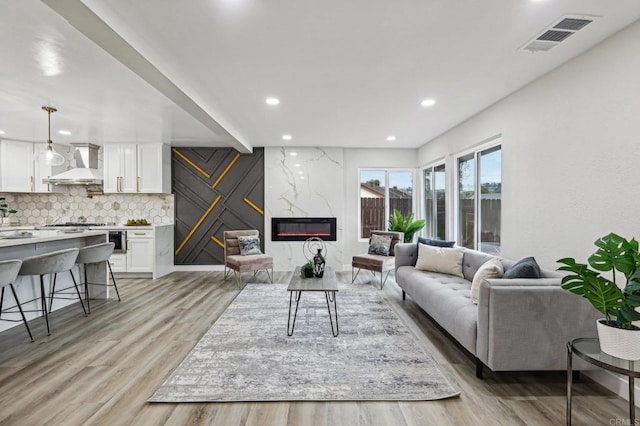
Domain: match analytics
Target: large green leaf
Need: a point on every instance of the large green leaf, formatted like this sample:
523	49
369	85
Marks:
406	224
614	252
603	294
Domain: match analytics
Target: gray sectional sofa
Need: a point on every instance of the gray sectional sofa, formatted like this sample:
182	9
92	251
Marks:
518	324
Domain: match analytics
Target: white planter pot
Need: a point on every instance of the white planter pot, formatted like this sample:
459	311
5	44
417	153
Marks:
619	342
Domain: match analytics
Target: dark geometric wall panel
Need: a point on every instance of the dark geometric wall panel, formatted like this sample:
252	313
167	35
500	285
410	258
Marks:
216	190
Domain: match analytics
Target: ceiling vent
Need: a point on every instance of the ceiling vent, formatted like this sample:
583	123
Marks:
558	32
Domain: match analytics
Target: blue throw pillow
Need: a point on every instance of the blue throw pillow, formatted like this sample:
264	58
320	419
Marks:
524	268
435	243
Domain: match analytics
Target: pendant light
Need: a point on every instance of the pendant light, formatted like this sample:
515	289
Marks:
49	156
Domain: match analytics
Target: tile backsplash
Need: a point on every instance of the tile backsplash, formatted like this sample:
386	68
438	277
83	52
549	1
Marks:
73	204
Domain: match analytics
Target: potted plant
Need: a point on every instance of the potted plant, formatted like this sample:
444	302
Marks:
618	336
306	271
406	224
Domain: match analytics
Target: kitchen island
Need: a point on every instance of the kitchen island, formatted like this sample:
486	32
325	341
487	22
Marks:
14	246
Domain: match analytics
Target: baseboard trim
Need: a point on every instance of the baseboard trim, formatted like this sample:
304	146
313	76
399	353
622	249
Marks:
615	383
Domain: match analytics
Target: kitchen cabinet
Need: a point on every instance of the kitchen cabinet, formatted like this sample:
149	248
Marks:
137	168
20	170
120	168
140	251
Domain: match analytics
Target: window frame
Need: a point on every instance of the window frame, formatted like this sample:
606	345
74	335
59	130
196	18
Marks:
433	166
475	151
386	171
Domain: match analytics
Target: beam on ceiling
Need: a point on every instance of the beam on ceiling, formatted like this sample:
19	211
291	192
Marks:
88	23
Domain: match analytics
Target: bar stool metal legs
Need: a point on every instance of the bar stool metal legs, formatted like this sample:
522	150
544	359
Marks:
45	264
96	254
75	286
8	273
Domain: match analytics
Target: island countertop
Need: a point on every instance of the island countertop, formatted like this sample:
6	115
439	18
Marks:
42	236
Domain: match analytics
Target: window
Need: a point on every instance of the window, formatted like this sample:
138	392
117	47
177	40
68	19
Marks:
435	202
382	191
480	199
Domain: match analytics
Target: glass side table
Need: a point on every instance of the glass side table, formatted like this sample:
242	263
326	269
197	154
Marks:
589	350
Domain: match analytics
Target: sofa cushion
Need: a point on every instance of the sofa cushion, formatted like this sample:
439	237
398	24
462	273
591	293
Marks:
440	259
492	268
380	244
524	268
446	299
249	245
472	261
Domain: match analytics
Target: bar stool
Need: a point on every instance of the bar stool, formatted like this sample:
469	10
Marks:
51	263
8	273
96	254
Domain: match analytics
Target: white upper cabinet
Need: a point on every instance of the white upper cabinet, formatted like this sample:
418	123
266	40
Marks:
143	168
20	170
154	168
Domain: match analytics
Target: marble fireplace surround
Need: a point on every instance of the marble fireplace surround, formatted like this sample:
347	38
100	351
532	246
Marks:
303	182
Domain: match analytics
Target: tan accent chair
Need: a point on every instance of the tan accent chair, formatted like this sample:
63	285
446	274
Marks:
378	263
238	263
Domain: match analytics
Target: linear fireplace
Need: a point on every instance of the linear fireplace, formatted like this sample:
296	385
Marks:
301	228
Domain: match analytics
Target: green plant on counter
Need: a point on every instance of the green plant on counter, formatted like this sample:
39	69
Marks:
614	254
406	224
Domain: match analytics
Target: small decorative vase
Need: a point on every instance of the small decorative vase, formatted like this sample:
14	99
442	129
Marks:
318	264
619	342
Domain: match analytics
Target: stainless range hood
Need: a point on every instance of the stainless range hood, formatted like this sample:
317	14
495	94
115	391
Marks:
87	173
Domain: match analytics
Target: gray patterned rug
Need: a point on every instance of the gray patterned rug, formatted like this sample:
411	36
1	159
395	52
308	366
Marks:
247	356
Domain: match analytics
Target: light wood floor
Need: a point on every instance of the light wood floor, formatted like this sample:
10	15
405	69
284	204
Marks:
101	369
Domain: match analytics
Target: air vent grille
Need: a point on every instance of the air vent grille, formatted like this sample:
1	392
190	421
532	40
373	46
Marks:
572	24
558	32
552	35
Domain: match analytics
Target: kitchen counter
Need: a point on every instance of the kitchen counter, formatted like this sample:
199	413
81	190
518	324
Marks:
41	236
27	287
125	227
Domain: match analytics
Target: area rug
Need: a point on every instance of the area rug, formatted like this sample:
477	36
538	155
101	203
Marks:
247	356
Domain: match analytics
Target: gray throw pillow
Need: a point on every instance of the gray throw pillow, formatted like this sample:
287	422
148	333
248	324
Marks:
524	268
249	245
380	244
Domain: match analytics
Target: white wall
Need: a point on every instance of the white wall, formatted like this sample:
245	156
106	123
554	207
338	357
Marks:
329	189
571	145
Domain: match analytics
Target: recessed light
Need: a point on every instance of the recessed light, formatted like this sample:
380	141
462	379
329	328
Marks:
1	132
287	137
428	102
272	101
64	132
297	165
293	154
300	172
301	177
391	138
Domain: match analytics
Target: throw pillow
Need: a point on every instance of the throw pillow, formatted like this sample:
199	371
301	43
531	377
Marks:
249	245
492	268
380	244
524	268
440	259
436	243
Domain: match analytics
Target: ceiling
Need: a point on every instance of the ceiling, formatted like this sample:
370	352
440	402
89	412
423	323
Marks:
347	73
